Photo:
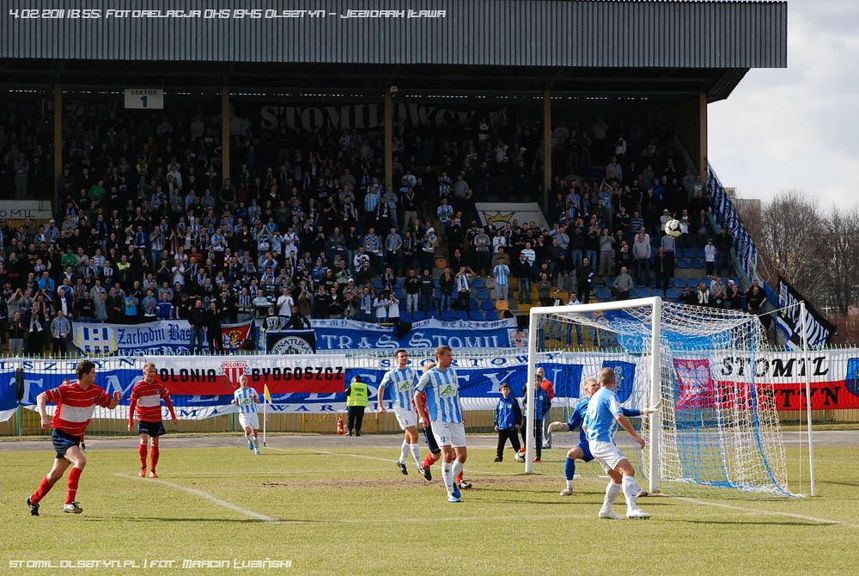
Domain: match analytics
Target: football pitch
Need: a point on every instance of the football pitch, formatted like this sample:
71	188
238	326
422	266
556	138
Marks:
324	505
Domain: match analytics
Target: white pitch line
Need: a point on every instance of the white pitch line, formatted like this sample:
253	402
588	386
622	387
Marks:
205	496
768	512
379	458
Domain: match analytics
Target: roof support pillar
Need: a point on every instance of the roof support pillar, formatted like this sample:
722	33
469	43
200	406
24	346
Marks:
225	133
702	135
547	148
58	145
389	140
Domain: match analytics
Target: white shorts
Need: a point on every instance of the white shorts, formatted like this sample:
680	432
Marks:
249	419
607	454
405	418
449	434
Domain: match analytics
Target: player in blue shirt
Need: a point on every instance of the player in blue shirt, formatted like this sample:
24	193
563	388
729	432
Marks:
401	381
445	411
582	450
603	415
508	419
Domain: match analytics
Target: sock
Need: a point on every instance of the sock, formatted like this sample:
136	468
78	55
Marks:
457	470
430	460
156	452
446	476
404	451
611	492
570	471
74	477
416	453
141	450
630	489
44	487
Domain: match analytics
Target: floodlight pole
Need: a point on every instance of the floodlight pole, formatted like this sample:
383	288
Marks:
807	370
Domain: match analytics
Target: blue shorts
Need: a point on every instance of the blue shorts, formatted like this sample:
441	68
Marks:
63	441
151	428
586	450
430	439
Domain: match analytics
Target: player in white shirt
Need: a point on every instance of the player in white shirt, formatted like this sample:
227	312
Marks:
603	415
442	403
246	398
401	381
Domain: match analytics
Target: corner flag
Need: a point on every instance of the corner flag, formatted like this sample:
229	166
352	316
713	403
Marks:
266	393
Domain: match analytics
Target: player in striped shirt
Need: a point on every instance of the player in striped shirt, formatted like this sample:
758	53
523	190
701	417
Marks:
146	398
442	403
246	398
401	380
75	404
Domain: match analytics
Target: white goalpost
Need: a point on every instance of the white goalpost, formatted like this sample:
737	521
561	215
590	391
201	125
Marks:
717	423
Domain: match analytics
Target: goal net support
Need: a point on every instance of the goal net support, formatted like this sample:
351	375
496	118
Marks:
710	428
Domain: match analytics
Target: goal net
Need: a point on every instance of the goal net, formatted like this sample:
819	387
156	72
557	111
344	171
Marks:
715	426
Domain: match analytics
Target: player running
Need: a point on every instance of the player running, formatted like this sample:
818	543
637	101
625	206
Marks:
246	398
146	398
76	402
582	451
445	412
402	380
603	415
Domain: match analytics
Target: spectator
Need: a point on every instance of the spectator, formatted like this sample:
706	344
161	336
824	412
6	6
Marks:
641	251
710	256
501	274
61	330
623	284
413	288
197	319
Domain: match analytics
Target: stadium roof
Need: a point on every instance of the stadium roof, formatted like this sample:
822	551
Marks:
599	46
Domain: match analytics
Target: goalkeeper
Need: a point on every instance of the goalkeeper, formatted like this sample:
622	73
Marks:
582	451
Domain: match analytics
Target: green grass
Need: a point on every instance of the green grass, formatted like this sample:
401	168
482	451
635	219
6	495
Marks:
355	514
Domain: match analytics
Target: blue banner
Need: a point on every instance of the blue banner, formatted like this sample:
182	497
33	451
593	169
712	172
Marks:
354	335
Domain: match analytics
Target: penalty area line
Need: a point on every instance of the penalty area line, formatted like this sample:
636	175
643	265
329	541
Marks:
205	496
816	519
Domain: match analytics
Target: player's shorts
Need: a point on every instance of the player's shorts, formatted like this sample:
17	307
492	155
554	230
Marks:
586	450
151	428
63	441
249	419
430	439
449	434
607	454
405	418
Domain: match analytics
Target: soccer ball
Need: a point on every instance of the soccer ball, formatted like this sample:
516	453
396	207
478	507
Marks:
672	228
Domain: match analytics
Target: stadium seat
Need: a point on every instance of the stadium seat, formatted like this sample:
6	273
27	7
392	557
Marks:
377	283
673	294
447	316
490	316
418	315
474	306
487	305
461	315
405	317
603	293
483	294
478	283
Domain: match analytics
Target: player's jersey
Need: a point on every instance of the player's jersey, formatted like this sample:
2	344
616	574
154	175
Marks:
442	389
577	418
402	386
75	406
245	400
601	417
147	398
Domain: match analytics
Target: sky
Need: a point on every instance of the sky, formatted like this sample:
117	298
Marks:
797	128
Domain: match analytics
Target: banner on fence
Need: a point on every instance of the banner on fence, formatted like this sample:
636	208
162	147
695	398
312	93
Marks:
818	329
353	335
202	386
160	337
290	342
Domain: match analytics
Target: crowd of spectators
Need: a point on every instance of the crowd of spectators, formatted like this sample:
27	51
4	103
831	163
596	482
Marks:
149	229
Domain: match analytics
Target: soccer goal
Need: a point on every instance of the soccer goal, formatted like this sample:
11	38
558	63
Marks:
717	423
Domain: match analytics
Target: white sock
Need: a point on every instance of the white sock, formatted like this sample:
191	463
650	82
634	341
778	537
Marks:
611	492
404	450
416	454
570	485
445	475
457	468
630	489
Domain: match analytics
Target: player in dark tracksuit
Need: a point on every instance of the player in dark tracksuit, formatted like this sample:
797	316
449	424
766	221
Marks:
508	418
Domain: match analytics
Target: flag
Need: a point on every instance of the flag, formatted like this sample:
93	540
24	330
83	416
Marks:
266	393
818	330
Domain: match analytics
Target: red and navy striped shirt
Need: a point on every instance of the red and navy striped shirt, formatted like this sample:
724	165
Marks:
75	406
147	399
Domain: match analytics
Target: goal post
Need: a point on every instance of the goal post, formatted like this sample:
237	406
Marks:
713	427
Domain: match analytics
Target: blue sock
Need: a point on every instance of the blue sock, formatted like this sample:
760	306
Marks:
569	469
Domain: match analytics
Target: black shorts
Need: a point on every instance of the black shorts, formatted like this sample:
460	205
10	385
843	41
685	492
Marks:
63	441
430	440
151	428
